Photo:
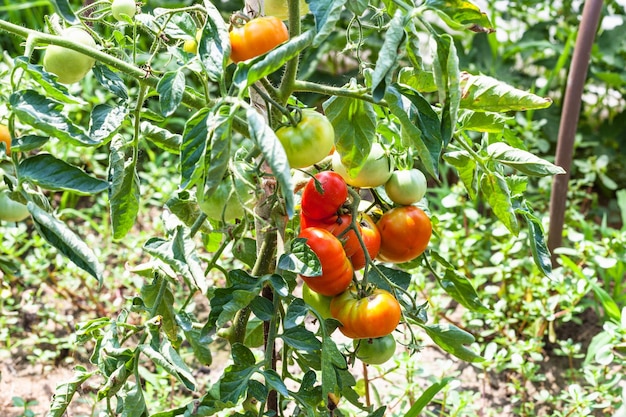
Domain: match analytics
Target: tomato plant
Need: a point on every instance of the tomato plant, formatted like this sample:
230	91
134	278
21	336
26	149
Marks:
309	141
5	137
336	267
373	314
406	187
69	66
280	8
404	232
123	7
321	303
375	171
256	37
11	210
229	201
323	195
375	351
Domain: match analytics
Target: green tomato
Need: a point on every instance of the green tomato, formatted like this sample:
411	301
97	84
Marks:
191	45
375	171
11	210
227	202
319	302
310	141
406	187
375	351
123	7
280	8
69	66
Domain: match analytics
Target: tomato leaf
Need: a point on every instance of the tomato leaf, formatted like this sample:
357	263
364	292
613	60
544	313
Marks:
51	173
496	191
296	313
105	120
225	302
193	147
267	142
36	110
214	45
482	121
63	8
466	167
418	79
273	381
388	55
65	391
149	295
162	138
220	133
396	276
53	89
198	340
446	70
453	340
262	308
171	362
301	260
124	194
354	122
134	404
332	361
300	338
66	241
536	237
171	87
459	14
484	93
462	290
110	80
522	161
234	382
327	13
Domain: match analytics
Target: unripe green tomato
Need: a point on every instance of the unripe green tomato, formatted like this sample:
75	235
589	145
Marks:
309	142
227	202
11	210
321	303
375	351
280	8
191	45
120	7
376	170
406	187
70	66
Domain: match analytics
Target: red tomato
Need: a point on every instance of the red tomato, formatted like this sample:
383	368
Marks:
336	267
257	37
323	203
371	238
405	233
376	314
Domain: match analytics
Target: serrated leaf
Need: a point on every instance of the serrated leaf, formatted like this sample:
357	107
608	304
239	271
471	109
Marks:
466	168
388	55
327	13
51	173
28	143
171	87
461	14
484	93
296	313
301	259
36	110
354	122
64	392
482	121
214	45
418	79
262	308
193	147
301	338
110	80
105	120
124	194
396	276
198	340
522	160
66	241
274	153
234	381
149	295
162	138
496	191
462	290
453	340
220	131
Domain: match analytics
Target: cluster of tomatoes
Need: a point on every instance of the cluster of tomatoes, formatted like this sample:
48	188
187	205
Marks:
345	241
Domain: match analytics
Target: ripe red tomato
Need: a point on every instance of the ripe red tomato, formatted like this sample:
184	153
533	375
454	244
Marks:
375	351
371	238
309	141
336	267
324	205
405	232
257	37
376	314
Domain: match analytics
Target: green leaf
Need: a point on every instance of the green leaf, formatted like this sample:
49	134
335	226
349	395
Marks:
63	8
198	340
267	141
396	276
64	392
193	147
327	13
36	110
162	138
462	290
273	381
110	80
447	78
214	45
28	143
354	122
388	55
67	242
220	132
487	94
496	191
251	71
51	173
427	397
466	167
105	121
301	338
482	121
234	381
53	89
169	359
460	14
114	382
262	308
124	193
418	79
522	161
171	87
538	247
332	361
301	260
453	340
296	313
134	404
